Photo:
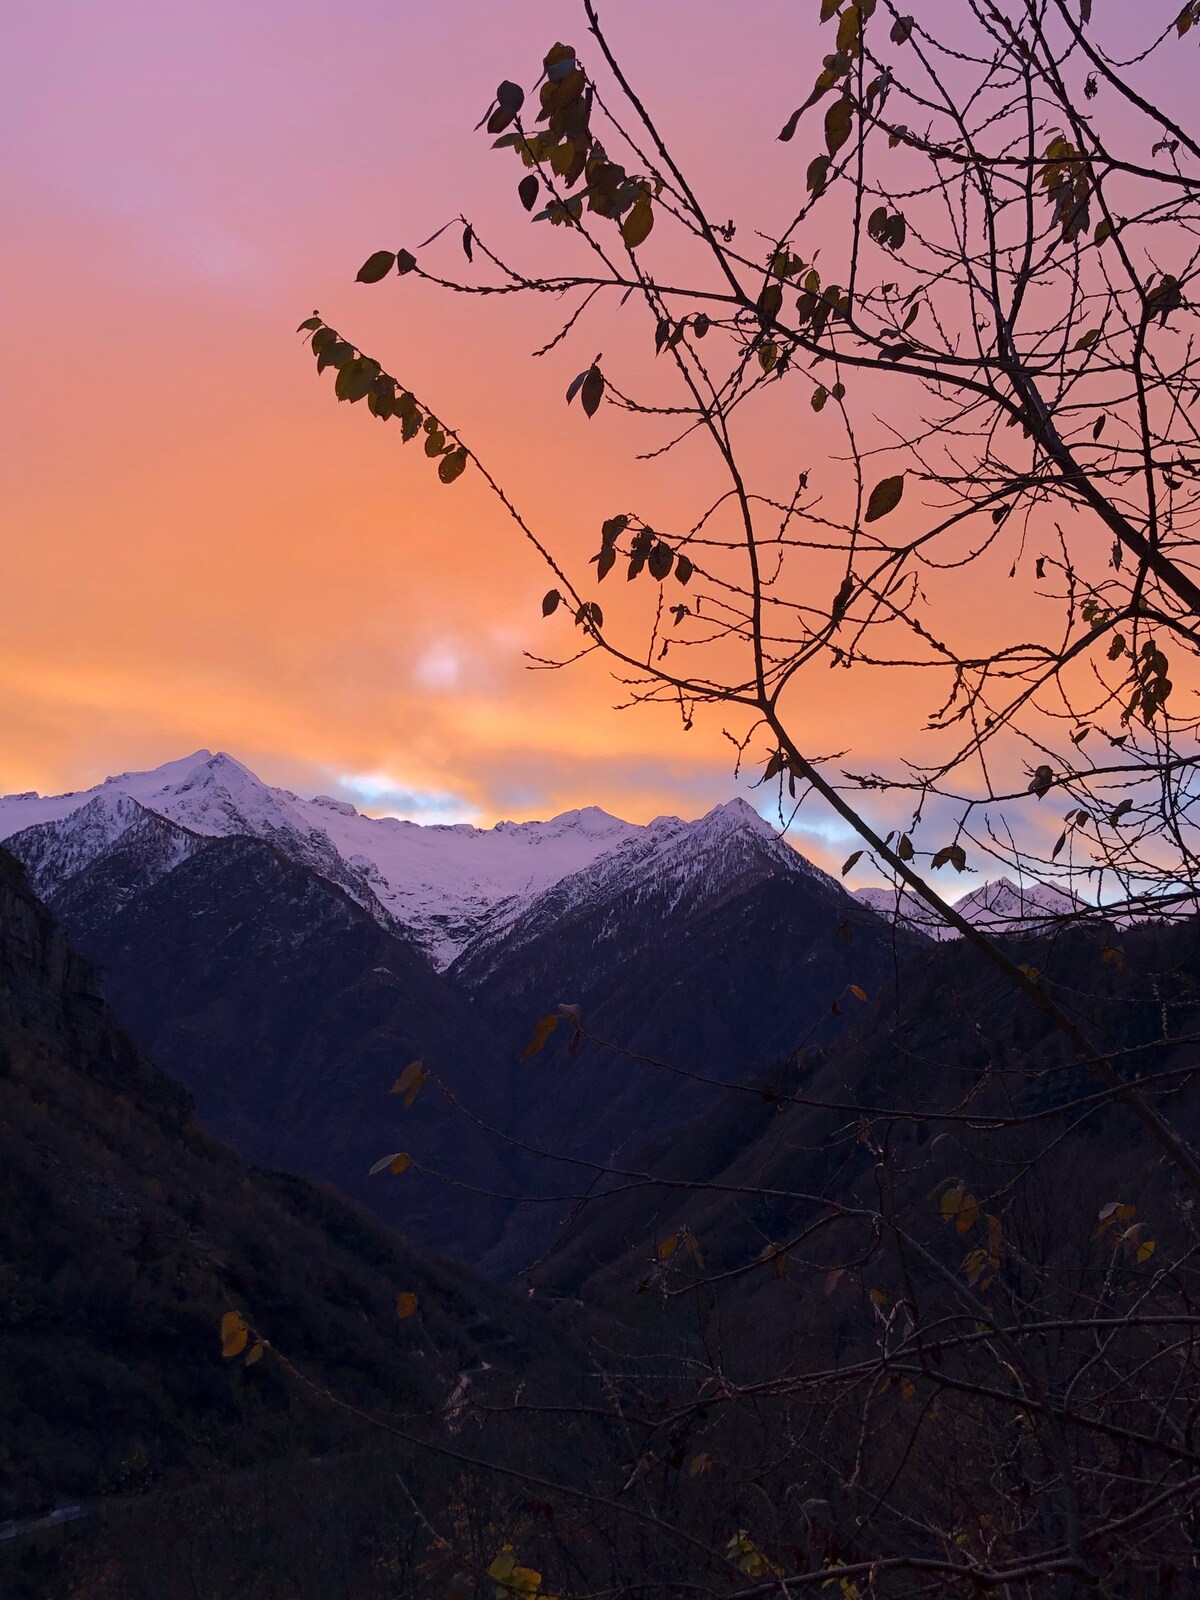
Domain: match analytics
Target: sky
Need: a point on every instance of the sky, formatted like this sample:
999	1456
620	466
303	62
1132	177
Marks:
200	547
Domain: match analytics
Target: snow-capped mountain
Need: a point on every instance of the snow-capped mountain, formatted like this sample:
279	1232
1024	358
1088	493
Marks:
663	871
442	883
999	906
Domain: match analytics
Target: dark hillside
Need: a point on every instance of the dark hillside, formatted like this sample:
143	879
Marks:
126	1232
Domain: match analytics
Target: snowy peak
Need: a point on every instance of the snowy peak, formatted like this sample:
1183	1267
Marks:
998	906
444	884
447	885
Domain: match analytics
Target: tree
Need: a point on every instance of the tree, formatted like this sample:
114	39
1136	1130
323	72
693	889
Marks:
999	331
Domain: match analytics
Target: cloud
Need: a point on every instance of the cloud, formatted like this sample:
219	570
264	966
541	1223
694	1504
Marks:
383	795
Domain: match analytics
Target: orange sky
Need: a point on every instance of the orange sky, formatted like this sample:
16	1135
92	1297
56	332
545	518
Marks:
201	547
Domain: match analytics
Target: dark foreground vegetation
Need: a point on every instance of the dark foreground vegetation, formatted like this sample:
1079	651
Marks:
919	1346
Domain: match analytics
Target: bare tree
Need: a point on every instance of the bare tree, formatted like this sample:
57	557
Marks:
1001	325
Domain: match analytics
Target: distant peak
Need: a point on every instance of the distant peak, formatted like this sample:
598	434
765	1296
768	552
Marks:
738	813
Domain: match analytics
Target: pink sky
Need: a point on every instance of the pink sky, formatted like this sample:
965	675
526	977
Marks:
201	548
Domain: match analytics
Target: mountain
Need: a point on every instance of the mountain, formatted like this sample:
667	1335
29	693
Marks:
699	953
999	906
947	1033
289	1012
127	1232
441	883
288	999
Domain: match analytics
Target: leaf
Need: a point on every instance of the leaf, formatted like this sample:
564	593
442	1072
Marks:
527	191
1042	782
849	862
377	266
410	1082
951	1203
467	238
819	397
395	1163
904	849
885	497
451	466
541	1034
1098	425
510	97
788	131
839	122
661	560
951	855
684	570
592	390
668	1247
551	601
1087	340
405	262
858	993
817	176
901	30
638	221
310	324
406	1304
968	1213
502	1567
255	1353
234	1334
833	1278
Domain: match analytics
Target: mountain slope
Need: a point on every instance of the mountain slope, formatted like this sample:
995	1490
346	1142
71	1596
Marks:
289	1013
703	952
948	1035
126	1232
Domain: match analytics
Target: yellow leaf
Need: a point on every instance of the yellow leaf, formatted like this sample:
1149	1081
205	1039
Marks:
859	994
396	1163
234	1334
255	1353
1145	1249
638	222
668	1247
410	1082
968	1213
406	1304
951	1202
501	1568
546	1026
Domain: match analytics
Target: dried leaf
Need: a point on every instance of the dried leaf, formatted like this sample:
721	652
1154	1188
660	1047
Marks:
885	497
541	1034
376	267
